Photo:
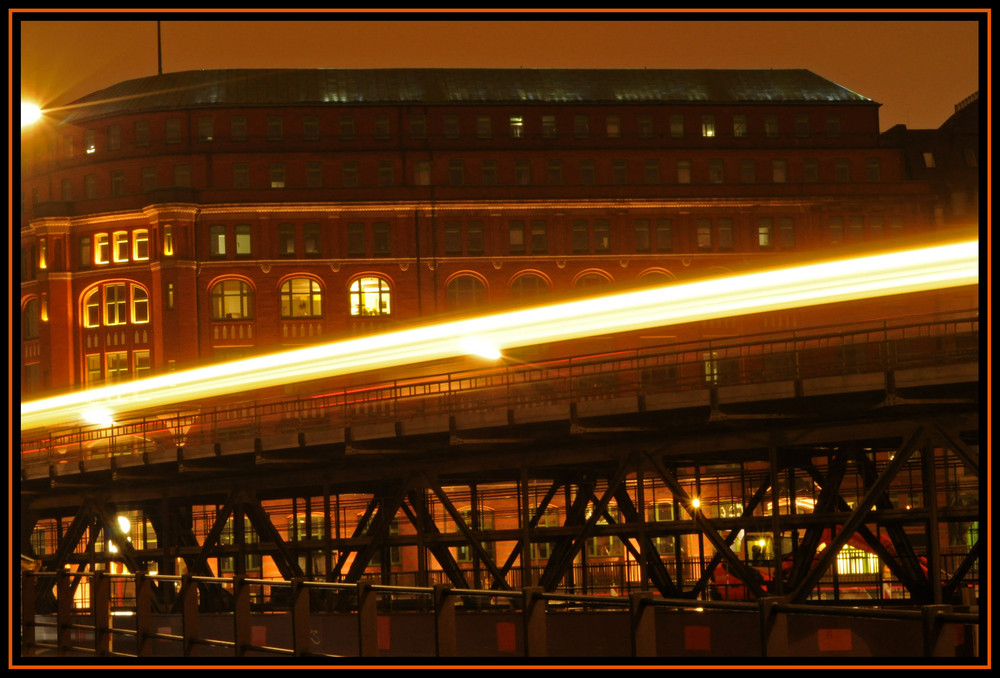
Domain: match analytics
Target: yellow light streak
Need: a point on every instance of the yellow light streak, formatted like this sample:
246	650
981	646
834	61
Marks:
899	272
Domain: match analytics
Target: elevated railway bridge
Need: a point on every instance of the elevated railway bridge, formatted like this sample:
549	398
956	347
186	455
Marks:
825	466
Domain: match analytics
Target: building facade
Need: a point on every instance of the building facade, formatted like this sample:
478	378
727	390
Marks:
206	215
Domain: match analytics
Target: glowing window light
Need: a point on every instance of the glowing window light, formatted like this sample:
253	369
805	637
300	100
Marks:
898	272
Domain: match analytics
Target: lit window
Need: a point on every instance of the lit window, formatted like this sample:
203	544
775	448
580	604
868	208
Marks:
369	297
115	304
117	366
217	241
516	127
102	248
42	254
92	308
120	251
928	159
708	125
168	241
89	141
764	230
140	305
301	298
170	296
465	292
231	300
95	373
277	175
140	244
206	128
140	363
614	126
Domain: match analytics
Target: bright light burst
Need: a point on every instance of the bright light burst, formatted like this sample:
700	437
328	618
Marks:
899	272
30	113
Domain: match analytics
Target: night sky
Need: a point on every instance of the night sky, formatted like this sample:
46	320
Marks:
918	69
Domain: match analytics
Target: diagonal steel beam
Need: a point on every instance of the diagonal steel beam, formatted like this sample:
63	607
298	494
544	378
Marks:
421	519
968	456
532	524
829	493
657	570
859	516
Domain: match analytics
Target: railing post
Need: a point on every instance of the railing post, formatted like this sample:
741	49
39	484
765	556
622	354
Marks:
445	629
64	613
241	615
773	628
535	644
189	615
936	643
28	581
367	620
100	604
143	614
300	617
642	616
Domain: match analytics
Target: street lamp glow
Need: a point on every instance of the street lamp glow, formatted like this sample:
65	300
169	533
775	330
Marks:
30	113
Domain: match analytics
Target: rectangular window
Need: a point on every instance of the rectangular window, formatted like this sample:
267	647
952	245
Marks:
90	186
277	175
810	170
314	174
238	128
580	237
802	126
67	190
522	173
381	126
836	230
170	296
765	227
148	179
168	241
243	242
114	137
115	304
770	125
95	374
206	128
645	123
117	182
386	173
676	126
422	174
286	240
89	141
928	159
539	238
346	127
779	170
456	172
310	128
241	175
355	239
703	234
619	172
786	233
726	236
117	366
418	127
381	242
217	241
549	126
140	364
740	126
841	170
173	131
182	176
85	252
833	126
588	176
748	171
275	128
613	124
451	130
140	244
602	235
716	171
516	127
581	126
119	249
516	237
102	248
555	175
683	171
652	172
484	127
873	169
311	240
708	125
349	173
142	133
489	173
474	244
642	239
452	238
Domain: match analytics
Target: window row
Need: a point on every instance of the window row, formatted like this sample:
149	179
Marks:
232	299
117	303
385	174
116	366
348	127
116	247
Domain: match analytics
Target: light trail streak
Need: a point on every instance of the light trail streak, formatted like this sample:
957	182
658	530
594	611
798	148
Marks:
900	272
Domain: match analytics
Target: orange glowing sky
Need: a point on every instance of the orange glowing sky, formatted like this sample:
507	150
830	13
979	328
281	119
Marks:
918	66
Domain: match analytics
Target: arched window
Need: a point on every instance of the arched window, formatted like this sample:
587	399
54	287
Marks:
232	300
591	282
32	319
370	296
655	278
466	292
528	286
140	305
92	308
301	298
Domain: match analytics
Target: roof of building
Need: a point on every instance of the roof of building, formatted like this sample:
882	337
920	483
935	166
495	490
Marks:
283	87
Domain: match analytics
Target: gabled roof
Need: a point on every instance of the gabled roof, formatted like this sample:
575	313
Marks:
288	87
